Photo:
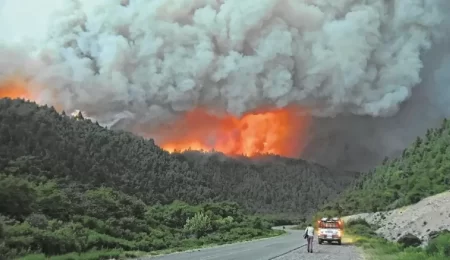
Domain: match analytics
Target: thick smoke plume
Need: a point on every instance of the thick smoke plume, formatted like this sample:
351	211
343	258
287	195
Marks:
355	65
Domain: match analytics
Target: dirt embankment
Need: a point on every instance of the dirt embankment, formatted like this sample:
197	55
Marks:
423	219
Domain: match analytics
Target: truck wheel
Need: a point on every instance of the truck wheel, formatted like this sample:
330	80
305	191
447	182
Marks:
320	241
339	242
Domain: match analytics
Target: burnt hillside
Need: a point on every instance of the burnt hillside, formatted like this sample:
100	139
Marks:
81	154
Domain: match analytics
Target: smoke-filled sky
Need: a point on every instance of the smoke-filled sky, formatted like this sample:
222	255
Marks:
370	72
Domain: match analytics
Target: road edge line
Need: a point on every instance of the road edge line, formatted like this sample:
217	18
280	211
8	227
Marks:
292	250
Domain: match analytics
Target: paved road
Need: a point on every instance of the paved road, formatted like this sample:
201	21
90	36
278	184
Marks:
286	247
325	252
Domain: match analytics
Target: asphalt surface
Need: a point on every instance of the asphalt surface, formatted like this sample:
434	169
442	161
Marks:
325	251
291	246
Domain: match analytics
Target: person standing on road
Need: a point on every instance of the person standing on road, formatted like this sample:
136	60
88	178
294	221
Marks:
309	235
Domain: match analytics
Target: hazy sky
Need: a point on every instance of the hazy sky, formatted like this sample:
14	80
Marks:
21	19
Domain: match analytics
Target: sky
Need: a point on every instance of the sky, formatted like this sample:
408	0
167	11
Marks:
22	19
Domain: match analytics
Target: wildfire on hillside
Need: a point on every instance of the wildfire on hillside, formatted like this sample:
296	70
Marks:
15	88
266	131
18	88
269	131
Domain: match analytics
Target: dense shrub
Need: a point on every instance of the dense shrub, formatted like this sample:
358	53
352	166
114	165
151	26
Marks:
112	220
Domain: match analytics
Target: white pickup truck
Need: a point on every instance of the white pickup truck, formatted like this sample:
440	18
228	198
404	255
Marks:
330	230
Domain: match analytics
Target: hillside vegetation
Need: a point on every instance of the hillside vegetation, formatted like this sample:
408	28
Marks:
39	143
38	217
422	170
72	189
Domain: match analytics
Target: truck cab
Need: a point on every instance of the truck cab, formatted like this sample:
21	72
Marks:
330	230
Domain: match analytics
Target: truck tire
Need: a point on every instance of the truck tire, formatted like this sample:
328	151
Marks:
339	242
320	241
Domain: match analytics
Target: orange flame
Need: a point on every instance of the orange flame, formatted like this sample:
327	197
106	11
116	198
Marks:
277	131
15	88
271	131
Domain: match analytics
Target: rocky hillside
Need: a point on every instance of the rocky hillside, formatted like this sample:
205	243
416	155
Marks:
418	222
39	144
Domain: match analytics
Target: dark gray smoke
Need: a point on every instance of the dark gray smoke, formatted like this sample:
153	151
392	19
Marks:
360	142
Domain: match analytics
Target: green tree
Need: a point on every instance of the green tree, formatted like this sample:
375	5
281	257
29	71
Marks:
37	220
199	224
17	197
2	230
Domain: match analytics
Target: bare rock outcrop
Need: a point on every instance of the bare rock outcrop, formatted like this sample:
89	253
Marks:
423	220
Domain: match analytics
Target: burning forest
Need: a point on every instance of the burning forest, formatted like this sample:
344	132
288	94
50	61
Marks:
337	82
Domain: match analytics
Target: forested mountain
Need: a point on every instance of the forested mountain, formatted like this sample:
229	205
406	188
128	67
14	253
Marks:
422	170
76	153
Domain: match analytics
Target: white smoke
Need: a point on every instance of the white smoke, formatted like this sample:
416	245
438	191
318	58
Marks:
145	61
